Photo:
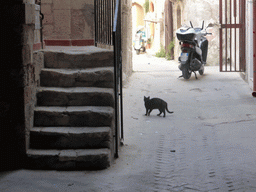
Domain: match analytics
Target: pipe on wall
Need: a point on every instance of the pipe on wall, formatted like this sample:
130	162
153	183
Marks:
254	49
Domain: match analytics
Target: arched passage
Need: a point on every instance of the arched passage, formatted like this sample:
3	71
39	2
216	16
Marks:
151	7
137	17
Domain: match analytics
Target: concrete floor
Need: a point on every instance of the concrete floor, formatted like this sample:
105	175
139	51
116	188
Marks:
207	144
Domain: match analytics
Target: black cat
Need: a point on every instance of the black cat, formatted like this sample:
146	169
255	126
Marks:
155	103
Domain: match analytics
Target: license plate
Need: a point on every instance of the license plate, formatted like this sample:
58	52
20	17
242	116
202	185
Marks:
184	56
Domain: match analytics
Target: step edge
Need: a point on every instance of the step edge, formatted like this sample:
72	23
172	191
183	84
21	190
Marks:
69	130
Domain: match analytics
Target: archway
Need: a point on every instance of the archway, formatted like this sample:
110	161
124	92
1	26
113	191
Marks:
137	17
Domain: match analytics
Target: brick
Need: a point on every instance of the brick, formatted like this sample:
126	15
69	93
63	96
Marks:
46	9
78	25
80	4
61	4
29	13
29	1
38	59
62	19
27	53
27	94
37	36
46	1
47	31
28	35
48	19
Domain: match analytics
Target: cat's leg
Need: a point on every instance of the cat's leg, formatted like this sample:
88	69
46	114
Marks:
164	113
159	113
149	112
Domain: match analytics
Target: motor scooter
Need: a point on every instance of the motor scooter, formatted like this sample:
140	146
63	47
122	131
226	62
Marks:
194	48
140	40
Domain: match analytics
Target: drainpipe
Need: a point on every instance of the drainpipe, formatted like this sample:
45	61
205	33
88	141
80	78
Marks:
254	49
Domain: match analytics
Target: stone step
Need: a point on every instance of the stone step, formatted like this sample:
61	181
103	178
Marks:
69	159
77	96
70	137
78	116
75	59
94	77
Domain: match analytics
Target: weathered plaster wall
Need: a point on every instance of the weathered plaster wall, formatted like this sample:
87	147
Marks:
155	24
196	11
32	64
68	19
249	43
159	26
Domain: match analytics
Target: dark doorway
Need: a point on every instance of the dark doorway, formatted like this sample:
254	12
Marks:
12	128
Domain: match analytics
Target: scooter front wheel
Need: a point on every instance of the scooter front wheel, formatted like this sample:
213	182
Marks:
137	51
185	73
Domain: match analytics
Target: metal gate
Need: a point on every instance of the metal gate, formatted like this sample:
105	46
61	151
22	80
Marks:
107	17
232	35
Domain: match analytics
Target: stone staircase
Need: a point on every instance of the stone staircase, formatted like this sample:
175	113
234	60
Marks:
74	115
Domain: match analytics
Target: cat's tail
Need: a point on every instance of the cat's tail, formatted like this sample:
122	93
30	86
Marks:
168	110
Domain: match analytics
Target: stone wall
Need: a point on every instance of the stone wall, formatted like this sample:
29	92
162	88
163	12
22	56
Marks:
32	64
68	19
127	38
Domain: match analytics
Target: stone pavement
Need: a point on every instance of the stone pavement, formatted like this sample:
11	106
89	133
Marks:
207	144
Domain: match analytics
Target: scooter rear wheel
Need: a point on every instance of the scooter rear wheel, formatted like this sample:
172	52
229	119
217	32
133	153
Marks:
185	73
201	71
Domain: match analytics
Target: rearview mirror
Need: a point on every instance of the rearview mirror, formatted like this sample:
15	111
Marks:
209	25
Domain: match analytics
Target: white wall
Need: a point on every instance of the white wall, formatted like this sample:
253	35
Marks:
249	42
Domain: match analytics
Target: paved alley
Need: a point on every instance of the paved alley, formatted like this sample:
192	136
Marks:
207	144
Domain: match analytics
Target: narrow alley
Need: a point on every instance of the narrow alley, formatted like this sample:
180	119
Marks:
207	144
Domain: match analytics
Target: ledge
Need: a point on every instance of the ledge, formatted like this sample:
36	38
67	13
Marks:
69	42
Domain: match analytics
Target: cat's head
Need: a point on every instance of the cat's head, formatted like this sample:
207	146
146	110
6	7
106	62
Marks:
146	98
